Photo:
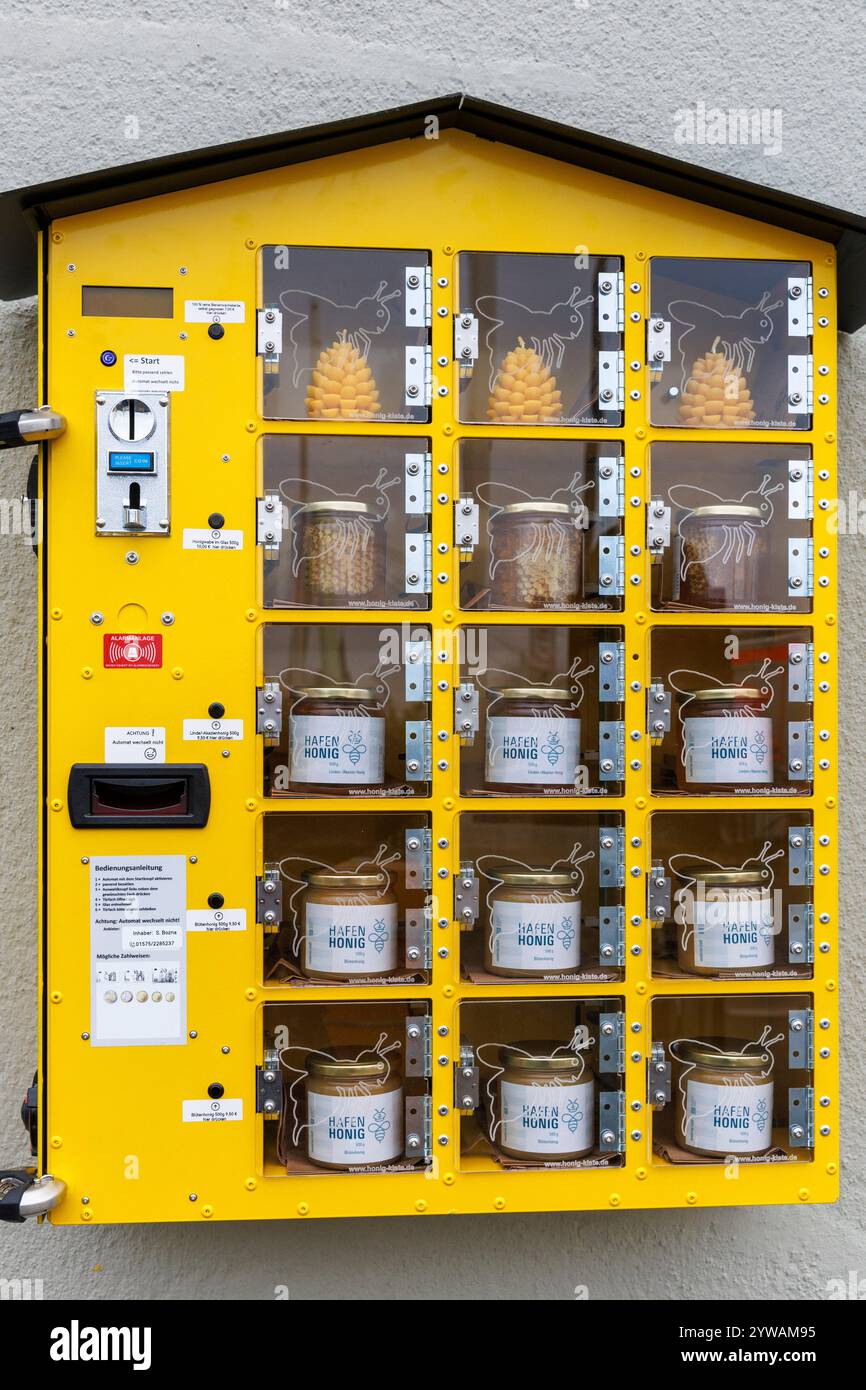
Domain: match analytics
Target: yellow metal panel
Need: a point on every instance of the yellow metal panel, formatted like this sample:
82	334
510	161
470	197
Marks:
114	1130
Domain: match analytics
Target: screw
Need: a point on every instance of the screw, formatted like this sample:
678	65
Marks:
97	619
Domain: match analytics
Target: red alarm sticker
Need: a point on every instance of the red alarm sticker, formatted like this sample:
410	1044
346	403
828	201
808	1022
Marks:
132	650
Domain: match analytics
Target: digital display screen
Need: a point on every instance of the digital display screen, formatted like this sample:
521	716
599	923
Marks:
130	461
127	302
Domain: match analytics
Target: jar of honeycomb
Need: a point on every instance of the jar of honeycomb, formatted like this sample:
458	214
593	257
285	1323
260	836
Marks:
723	549
354	1111
340	549
336	738
724	1095
348	925
727	738
536	556
545	1103
533	739
725	921
534	924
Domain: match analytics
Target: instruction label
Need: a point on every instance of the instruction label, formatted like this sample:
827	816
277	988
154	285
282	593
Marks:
207	1111
213	730
199	539
160	372
221	919
134	745
214	310
137	950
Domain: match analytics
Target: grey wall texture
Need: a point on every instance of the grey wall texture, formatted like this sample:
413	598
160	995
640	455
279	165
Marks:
91	83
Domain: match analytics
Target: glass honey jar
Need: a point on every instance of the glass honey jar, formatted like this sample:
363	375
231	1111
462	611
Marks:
337	738
725	1097
534	924
354	1111
340	548
545	1104
726	922
723	549
727	738
348	925
536	556
533	739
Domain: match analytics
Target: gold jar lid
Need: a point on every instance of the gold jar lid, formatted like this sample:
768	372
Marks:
336	692
726	692
537	692
724	509
729	1057
344	1068
540	508
334	505
546	878
731	877
333	879
538	1056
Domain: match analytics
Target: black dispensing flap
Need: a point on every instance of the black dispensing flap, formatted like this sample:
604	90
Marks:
125	795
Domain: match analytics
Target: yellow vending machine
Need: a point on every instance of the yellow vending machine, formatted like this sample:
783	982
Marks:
438	677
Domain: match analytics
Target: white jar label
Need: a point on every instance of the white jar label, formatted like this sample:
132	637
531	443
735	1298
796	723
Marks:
547	1120
734	931
535	936
729	1119
359	939
521	748
736	749
343	749
355	1129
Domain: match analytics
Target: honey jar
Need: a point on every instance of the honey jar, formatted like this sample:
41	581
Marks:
337	738
354	1111
534	924
546	1102
722	552
725	1101
349	925
533	739
727	921
536	556
341	550
724	741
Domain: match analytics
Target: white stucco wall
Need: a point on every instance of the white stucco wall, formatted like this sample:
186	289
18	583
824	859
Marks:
90	83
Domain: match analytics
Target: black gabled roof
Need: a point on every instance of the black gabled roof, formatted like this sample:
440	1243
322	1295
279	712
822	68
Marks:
24	210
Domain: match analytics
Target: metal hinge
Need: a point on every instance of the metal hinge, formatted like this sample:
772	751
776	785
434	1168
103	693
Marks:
801	1053
419	750
658	342
611	935
466	523
611	1122
801	865
611	564
611	670
466	899
801	490
467	1081
800	567
658	711
610	486
418	485
611	1043
800	757
418	376
801	678
418	1127
416	669
269	897
800	384
419	938
269	1085
418	859
465	341
801	1117
801	933
611	302
799	306
466	714
418	1052
658	1077
269	523
611	856
611	750
418	561
658	894
269	335
269	711
658	527
611	380
419	296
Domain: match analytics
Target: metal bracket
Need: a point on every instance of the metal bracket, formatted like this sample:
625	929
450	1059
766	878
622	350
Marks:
269	897
465	341
611	856
611	381
800	735
419	750
800	567
611	670
418	562
801	871
658	894
418	376
419	938
417	491
800	1039
611	1122
658	711
467	1081
269	1085
611	307
466	895
611	564
269	711
801	490
611	935
800	384
610	486
418	1127
658	527
269	334
801	1117
611	750
416	669
418	859
799	306
801	688
23	1194
611	1043
466	524
658	1077
801	934
419	296
466	713
418	1052
269	523
658	342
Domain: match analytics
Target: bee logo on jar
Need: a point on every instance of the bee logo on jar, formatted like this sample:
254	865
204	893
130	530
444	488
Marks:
535	546
727	735
725	1091
540	1099
727	916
